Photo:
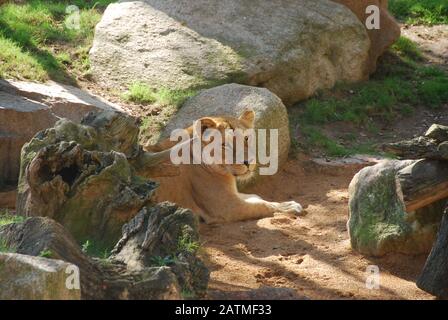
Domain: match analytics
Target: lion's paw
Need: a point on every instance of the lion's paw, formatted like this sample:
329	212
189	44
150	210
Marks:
290	207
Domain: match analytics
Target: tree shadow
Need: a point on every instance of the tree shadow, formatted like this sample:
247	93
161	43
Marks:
44	58
23	38
274	269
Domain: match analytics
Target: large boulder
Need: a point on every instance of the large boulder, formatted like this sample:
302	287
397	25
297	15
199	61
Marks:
378	222
26	277
27	108
232	100
293	48
381	38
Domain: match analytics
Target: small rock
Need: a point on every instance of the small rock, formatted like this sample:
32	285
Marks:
34	278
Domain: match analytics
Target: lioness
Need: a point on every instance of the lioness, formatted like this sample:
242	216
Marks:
210	190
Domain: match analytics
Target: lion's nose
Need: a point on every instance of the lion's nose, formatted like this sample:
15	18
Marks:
246	163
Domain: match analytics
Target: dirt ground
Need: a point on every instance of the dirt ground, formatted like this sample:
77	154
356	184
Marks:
311	255
432	40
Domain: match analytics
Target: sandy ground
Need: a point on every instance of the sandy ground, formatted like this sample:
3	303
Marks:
310	254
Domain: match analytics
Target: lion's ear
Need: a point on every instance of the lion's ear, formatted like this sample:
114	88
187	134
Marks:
203	124
248	116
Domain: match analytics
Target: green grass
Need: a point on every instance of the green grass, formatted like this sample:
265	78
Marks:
400	84
166	101
4	248
36	44
140	92
92	249
186	243
6	218
158	261
46	253
426	12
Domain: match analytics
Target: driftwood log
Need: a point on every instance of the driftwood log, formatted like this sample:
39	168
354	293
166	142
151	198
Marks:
422	183
434	277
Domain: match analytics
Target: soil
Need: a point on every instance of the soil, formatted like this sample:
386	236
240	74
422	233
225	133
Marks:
432	40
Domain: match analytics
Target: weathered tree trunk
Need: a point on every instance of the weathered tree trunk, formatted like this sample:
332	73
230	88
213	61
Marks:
131	272
434	277
85	176
437	132
423	183
417	148
433	145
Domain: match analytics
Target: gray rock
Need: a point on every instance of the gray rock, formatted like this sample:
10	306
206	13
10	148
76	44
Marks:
293	48
24	277
27	108
378	223
232	100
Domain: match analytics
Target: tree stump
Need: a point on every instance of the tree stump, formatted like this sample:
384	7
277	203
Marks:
422	183
434	277
433	145
90	177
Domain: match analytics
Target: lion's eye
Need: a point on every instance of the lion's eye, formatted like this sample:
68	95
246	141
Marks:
246	138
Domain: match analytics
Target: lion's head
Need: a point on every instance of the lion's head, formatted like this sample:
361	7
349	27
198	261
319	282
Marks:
237	136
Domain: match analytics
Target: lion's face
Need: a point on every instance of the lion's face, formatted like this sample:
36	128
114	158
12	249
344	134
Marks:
234	130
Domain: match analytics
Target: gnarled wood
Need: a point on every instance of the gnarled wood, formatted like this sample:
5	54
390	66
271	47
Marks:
423	183
130	273
437	132
433	145
434	277
417	148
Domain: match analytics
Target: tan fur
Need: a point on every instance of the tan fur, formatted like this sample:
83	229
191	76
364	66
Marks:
210	190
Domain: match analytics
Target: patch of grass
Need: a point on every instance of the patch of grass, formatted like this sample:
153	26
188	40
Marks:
314	138
187	294
186	243
37	43
407	49
158	261
5	248
400	84
6	218
46	253
426	12
93	250
140	92
166	101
